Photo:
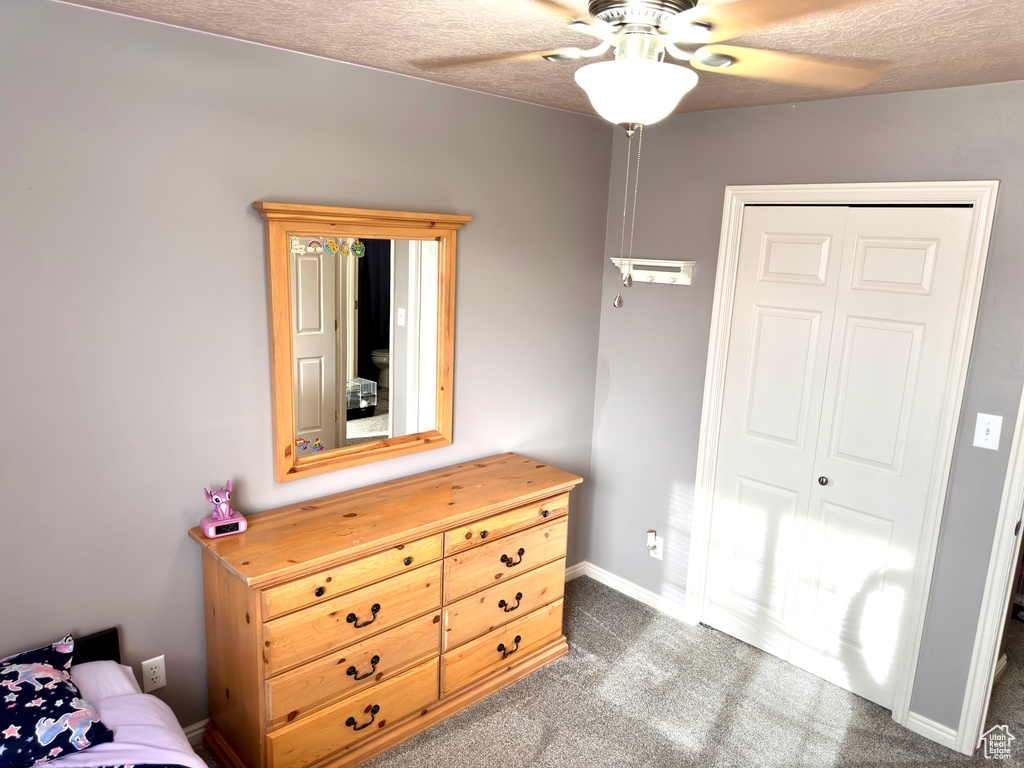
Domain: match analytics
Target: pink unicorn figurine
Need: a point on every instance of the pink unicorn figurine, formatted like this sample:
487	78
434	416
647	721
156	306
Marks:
223	520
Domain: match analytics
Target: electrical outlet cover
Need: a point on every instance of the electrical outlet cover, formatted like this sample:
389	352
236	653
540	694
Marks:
154	674
658	552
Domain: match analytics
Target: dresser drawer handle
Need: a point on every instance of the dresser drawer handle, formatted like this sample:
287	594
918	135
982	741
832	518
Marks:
508	560
483	534
351	619
351	722
373	668
319	591
505	654
504	605
544	513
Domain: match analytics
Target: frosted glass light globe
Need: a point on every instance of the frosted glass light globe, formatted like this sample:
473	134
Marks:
635	90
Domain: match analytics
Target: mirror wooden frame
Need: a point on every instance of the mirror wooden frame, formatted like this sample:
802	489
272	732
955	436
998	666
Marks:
284	220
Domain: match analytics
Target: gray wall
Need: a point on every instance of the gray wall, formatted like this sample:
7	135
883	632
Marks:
134	365
653	351
135	368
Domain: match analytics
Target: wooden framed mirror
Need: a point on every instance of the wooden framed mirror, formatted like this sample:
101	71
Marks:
362	321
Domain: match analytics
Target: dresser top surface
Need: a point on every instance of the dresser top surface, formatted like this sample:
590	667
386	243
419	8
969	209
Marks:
297	539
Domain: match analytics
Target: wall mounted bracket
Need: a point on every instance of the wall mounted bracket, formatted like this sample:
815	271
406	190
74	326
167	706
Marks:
667	271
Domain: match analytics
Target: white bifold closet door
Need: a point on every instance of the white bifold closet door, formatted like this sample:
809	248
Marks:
839	347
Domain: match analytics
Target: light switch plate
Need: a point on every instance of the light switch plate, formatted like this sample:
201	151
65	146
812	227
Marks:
986	433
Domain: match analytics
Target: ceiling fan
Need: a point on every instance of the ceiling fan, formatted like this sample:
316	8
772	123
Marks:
639	87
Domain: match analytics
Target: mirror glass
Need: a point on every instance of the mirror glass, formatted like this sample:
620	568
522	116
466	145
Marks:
361	324
364	340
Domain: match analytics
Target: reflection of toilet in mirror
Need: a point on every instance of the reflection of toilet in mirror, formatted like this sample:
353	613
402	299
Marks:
381	359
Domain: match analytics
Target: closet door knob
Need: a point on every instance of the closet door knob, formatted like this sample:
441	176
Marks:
823	480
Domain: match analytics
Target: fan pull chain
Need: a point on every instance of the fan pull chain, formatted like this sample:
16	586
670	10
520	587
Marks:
625	206
627	279
625	193
632	221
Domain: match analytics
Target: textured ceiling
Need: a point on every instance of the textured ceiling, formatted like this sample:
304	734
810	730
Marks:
926	43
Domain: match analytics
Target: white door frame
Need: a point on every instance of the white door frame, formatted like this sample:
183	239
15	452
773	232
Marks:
998	589
982	196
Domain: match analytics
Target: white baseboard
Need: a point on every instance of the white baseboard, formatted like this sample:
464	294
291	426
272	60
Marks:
619	584
194	732
575	571
930	729
1000	668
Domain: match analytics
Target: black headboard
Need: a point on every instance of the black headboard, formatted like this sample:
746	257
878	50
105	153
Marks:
99	646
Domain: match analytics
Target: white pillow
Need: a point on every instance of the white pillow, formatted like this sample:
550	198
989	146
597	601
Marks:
99	680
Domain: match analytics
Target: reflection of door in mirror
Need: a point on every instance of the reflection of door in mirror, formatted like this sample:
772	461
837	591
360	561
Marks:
315	340
365	314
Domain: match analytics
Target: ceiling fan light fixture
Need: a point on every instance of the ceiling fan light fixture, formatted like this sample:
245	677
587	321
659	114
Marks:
635	91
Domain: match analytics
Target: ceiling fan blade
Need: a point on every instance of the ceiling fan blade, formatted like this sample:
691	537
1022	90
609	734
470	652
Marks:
729	19
561	9
787	67
598	27
468	61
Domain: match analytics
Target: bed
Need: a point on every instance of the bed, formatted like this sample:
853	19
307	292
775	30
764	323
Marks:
145	731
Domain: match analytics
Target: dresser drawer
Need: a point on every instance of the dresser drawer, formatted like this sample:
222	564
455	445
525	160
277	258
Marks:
340	579
502	603
471	661
304	689
483	566
475	534
364	714
337	623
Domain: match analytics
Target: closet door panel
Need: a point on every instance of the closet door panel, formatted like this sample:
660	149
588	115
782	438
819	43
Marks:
841	632
879	364
778	349
779	384
888	373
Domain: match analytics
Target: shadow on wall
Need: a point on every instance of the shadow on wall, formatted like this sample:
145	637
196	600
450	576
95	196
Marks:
677	542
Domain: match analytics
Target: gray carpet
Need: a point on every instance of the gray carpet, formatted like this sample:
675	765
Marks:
1006	706
639	689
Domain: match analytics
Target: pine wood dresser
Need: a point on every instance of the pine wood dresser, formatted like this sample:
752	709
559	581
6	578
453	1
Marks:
340	627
